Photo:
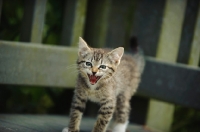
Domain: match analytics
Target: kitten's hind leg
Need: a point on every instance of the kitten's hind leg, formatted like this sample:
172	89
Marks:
121	114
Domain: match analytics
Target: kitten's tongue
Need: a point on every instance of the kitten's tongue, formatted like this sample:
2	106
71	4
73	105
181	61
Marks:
93	79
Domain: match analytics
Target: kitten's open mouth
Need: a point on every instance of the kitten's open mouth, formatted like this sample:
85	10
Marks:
93	79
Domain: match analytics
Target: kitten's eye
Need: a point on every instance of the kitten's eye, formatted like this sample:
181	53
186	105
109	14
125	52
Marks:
102	66
88	64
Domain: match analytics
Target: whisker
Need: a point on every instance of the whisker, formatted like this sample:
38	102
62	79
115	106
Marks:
73	72
71	66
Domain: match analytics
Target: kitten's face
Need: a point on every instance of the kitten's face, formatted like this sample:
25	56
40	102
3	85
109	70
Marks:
96	64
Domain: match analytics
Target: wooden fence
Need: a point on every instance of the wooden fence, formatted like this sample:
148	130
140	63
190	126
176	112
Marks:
168	31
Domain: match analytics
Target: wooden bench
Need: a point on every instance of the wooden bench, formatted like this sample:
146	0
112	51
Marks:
26	64
31	63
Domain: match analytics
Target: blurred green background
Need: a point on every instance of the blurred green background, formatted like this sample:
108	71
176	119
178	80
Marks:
37	100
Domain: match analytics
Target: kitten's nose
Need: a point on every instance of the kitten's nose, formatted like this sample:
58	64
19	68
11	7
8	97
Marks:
94	73
94	70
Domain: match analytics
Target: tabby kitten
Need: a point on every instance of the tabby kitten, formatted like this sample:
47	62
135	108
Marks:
108	78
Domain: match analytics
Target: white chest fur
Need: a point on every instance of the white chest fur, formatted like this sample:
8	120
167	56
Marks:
94	95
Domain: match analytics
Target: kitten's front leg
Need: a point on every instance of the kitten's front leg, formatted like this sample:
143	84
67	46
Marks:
77	109
105	114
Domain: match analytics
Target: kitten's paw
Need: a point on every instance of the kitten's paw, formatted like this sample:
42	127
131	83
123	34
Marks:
120	127
65	129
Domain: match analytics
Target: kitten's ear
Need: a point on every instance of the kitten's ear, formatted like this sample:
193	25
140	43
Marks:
116	55
83	48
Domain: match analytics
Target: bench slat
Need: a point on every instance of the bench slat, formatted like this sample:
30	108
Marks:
33	21
37	65
44	65
176	83
46	123
167	49
73	21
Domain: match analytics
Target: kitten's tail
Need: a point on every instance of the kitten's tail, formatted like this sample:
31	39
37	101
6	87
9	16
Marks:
137	53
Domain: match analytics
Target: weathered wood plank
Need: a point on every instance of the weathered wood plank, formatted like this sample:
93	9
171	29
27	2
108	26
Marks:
167	50
175	83
38	21
33	21
147	21
188	30
31	64
171	30
194	57
73	22
47	123
120	23
147	24
44	65
97	22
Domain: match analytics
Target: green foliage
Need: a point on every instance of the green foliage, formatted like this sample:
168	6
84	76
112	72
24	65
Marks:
11	20
53	22
29	100
186	120
12	13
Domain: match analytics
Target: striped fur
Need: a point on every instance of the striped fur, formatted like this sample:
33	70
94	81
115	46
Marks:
113	91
